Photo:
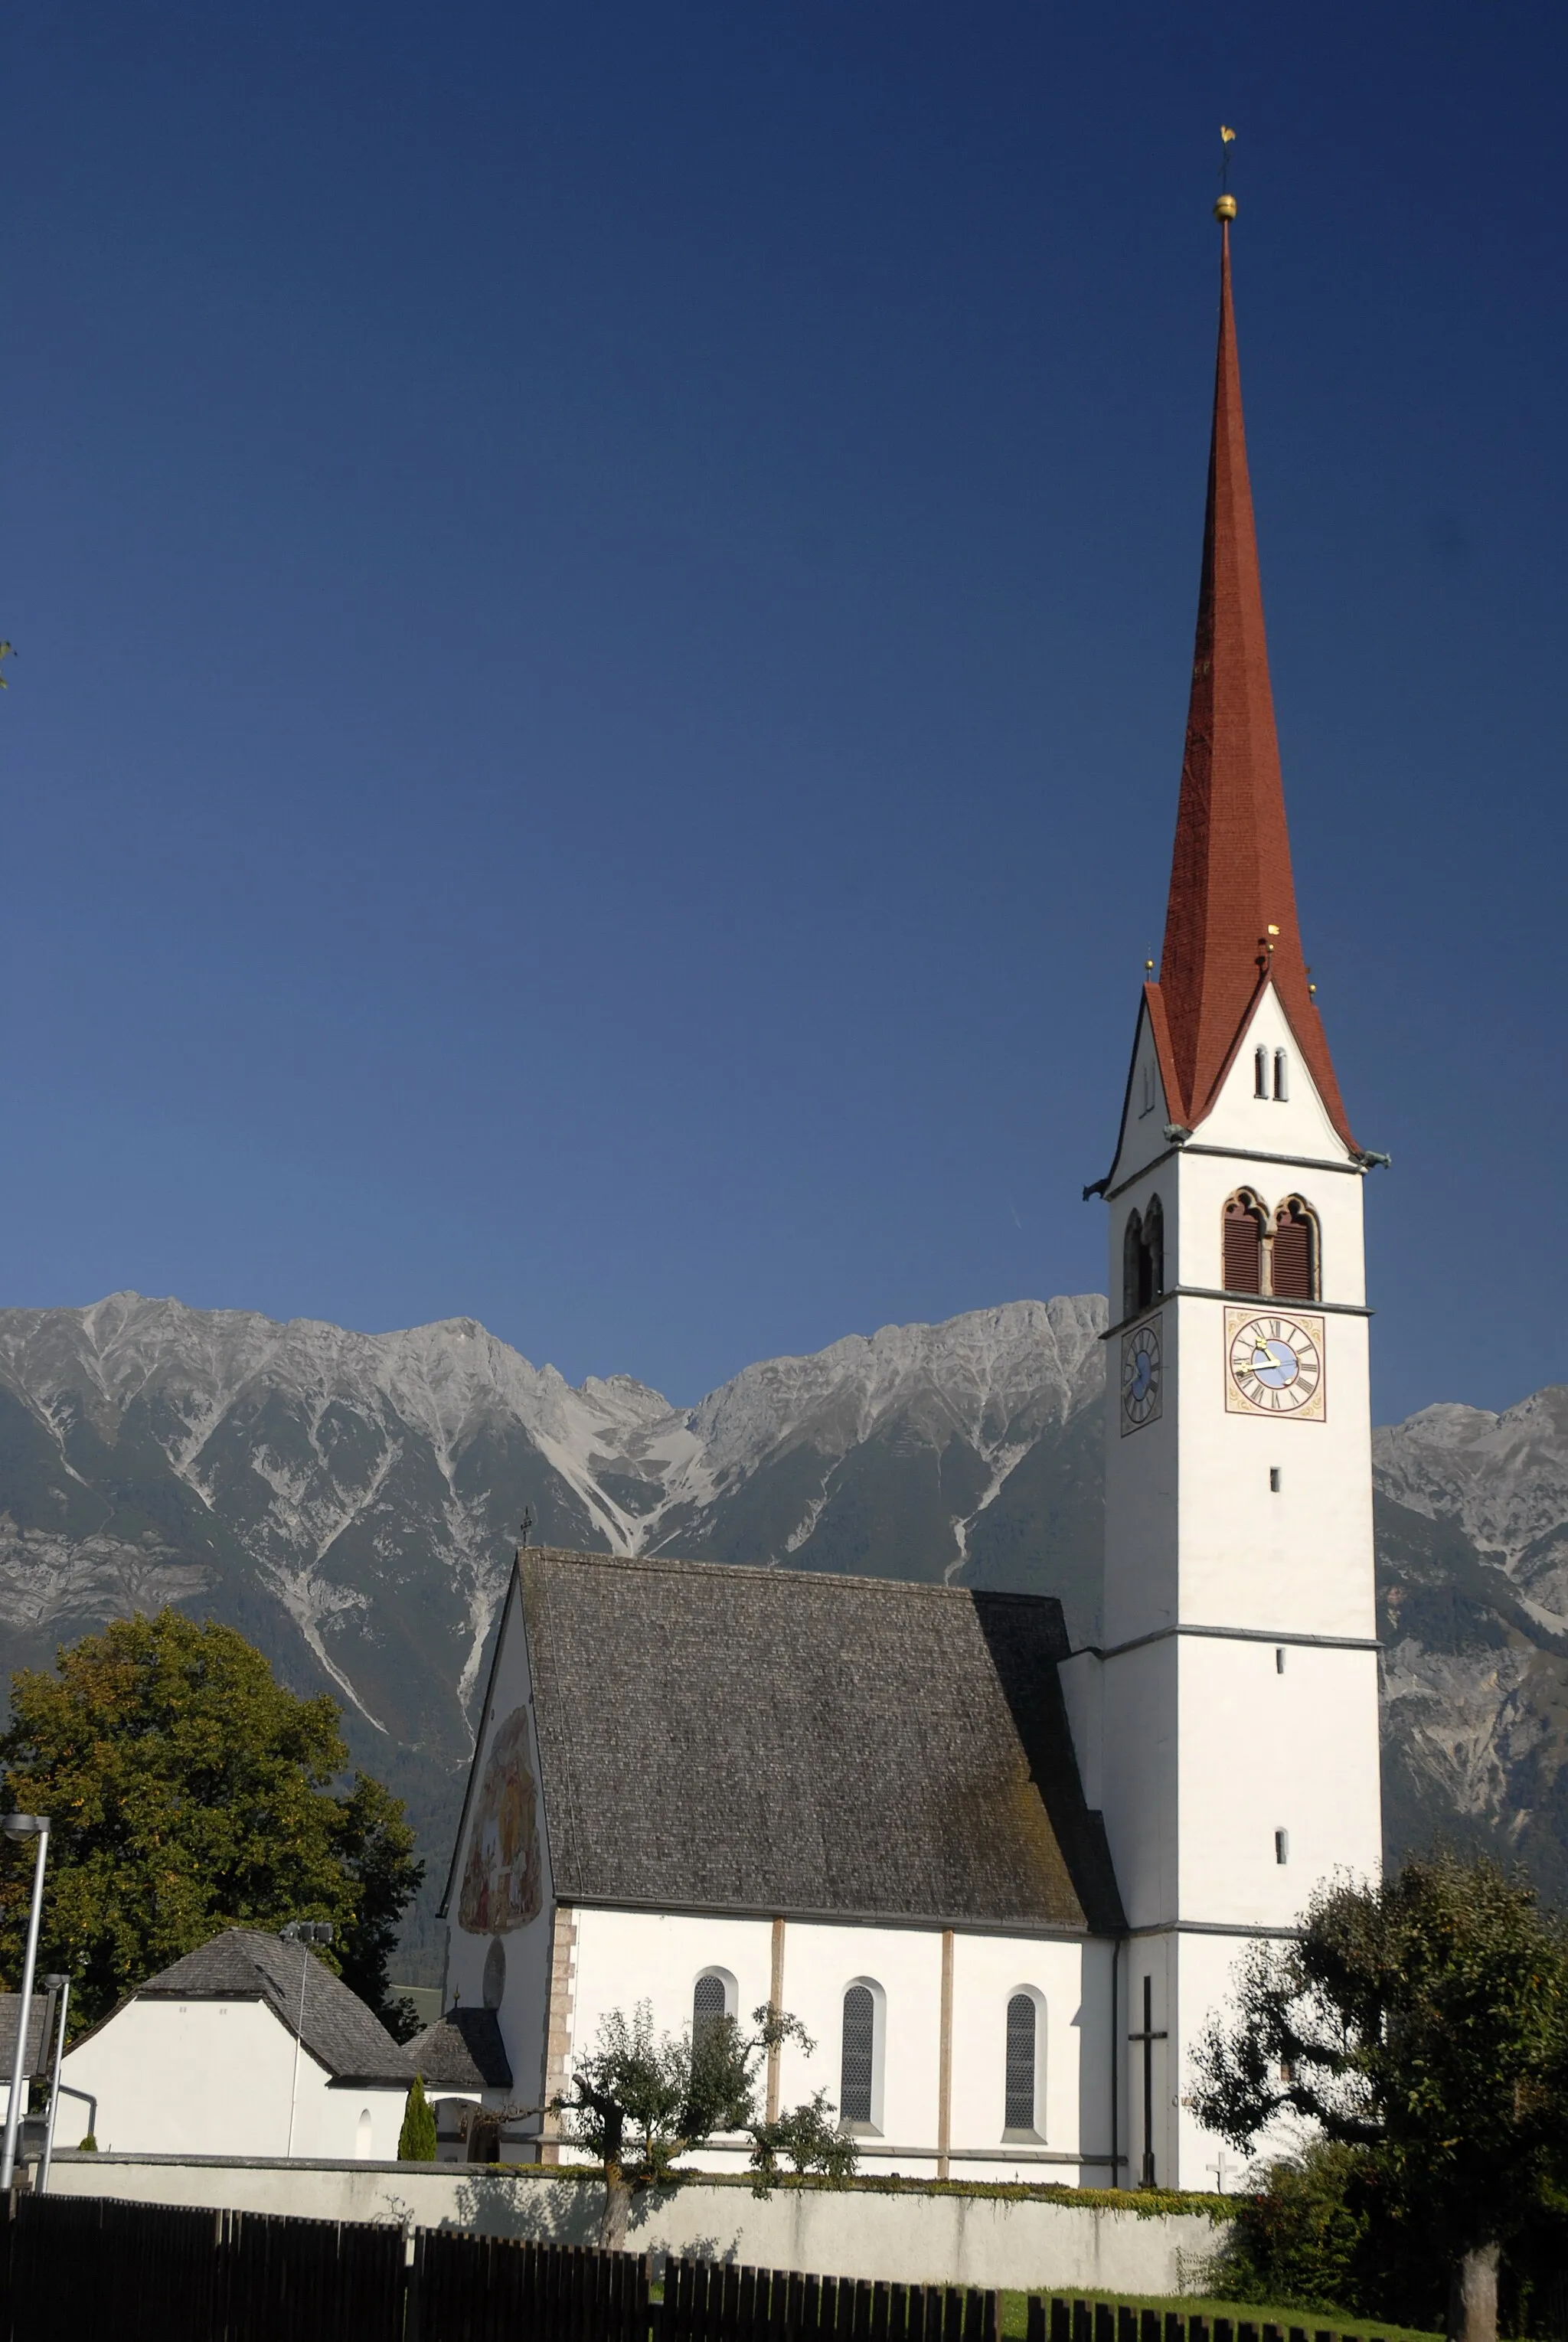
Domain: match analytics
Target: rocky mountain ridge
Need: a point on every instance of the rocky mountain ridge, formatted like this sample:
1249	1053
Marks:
352	1502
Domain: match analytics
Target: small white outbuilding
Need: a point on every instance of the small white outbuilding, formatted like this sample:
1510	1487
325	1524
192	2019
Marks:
248	2047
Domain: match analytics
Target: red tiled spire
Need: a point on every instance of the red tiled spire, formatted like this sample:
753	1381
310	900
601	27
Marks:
1230	870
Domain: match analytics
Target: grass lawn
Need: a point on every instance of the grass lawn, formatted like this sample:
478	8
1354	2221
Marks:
1015	2314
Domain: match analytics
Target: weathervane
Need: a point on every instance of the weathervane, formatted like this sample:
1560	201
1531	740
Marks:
1226	209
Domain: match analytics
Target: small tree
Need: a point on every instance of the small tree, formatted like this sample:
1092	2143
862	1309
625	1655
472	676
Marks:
1425	2023
808	2139
639	2099
416	2139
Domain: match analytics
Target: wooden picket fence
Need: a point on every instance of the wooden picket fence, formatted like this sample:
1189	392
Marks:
96	2266
1060	2320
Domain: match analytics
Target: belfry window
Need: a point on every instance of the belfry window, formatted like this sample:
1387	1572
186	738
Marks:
1243	1242
1295	1274
1143	1258
1021	2109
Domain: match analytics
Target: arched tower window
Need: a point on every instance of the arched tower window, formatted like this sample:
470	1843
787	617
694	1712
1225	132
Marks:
1281	1074
1132	1258
1297	1275
1143	1258
1243	1243
1026	2025
1260	1072
1154	1252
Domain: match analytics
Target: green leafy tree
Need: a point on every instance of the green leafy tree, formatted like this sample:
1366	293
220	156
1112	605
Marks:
416	2139
638	2099
807	2138
189	1792
1424	2024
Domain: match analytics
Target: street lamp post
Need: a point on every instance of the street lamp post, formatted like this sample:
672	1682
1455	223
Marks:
301	1932
52	1985
19	1826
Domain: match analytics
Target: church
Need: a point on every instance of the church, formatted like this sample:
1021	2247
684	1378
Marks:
1004	1884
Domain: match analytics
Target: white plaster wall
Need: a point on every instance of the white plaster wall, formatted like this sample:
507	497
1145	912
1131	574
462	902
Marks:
627	1957
1141	1778
1260	1751
523	2012
216	2077
949	2239
1299	1125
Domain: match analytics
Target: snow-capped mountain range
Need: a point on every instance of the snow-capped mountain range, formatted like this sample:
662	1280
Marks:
352	1502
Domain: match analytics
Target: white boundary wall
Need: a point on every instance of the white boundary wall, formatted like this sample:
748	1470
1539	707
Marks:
910	2237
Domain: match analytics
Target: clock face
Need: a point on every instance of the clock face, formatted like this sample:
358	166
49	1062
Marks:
1274	1364
1141	1388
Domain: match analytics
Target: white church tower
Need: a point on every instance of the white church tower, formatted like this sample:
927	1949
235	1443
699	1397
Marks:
1238	1686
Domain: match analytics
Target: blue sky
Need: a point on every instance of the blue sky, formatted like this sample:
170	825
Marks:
603	597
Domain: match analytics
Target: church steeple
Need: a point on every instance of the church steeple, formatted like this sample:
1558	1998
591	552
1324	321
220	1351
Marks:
1231	919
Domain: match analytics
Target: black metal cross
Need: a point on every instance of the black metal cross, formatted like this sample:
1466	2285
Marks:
1148	2038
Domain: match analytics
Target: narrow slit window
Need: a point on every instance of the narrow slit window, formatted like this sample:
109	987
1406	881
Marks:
1279	1659
1023	2019
1273	1479
1282	1846
1260	1072
1282	1075
856	2066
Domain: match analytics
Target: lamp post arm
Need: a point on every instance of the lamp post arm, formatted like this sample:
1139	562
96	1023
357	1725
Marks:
19	2075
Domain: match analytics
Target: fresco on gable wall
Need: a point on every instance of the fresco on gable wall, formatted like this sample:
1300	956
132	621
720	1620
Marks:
501	1886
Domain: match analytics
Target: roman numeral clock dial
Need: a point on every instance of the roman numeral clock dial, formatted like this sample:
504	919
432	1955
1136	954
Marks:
1274	1364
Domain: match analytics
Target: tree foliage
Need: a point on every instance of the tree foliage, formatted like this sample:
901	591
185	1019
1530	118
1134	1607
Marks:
1421	2024
807	2138
188	1792
639	2099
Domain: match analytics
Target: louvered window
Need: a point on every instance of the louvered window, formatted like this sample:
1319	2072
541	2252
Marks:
1022	2019
856	2072
707	2005
1244	1245
1295	1253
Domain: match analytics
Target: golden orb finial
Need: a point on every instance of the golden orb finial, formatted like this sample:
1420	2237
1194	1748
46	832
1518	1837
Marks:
1226	209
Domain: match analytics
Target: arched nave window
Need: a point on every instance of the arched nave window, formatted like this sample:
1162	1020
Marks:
712	1996
1294	1267
860	2063
1243	1243
1026	2066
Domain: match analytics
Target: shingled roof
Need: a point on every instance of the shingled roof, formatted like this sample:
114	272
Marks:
37	2047
462	2051
784	1741
338	2028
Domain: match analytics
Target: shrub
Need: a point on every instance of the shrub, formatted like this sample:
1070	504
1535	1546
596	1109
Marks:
416	2139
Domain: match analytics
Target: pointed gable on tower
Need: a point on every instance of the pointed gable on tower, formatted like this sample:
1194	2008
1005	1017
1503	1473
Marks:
1230	926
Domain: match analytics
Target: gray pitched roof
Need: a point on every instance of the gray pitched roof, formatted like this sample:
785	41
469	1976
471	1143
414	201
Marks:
338	2028
37	2048
788	1742
462	2051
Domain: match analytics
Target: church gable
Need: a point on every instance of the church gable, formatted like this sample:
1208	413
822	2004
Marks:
770	1741
499	1880
1267	1098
